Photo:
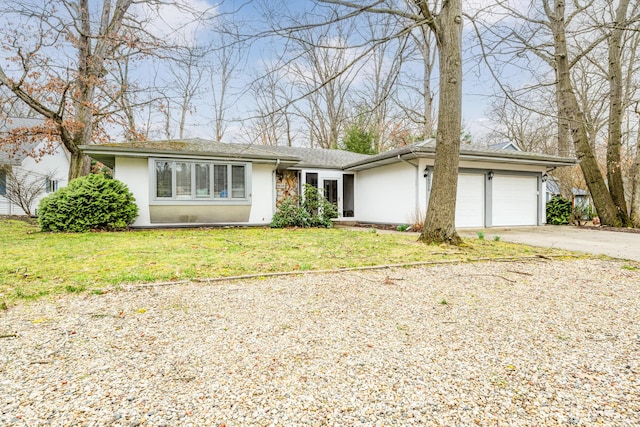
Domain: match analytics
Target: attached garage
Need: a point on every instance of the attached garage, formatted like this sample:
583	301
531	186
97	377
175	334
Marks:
470	200
498	186
514	200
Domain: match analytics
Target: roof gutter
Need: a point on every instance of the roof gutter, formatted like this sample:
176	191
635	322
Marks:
361	165
90	150
528	160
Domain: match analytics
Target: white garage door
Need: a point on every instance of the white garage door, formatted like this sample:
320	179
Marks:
514	200
470	201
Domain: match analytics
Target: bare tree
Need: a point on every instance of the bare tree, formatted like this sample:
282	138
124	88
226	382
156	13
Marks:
62	53
24	189
420	112
527	127
561	35
444	20
569	108
227	55
272	123
323	74
178	89
446	25
635	186
616	108
376	94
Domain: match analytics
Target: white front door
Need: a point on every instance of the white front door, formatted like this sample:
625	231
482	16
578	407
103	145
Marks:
331	188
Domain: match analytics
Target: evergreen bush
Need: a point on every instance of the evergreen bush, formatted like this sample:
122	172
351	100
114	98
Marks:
289	214
558	211
92	202
315	211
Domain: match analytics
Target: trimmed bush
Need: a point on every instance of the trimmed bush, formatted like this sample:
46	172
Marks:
316	211
558	211
92	202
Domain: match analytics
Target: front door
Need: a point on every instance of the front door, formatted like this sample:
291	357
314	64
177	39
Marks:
331	191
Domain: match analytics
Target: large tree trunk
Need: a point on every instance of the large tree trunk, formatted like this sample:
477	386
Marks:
426	52
614	163
439	226
80	165
635	189
564	144
570	109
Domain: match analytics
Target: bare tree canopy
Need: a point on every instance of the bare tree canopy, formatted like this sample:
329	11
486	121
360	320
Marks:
575	49
60	59
444	21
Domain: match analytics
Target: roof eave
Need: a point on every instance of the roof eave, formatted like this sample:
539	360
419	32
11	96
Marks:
520	160
383	160
96	151
469	156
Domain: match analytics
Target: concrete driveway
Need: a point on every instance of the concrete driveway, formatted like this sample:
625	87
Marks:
599	242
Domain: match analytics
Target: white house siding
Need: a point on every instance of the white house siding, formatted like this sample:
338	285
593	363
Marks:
387	194
7	208
135	173
54	166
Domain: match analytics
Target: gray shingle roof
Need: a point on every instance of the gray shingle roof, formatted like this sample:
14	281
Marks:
192	146
301	157
106	153
307	157
319	157
508	145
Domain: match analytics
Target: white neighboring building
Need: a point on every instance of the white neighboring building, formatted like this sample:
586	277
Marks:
49	171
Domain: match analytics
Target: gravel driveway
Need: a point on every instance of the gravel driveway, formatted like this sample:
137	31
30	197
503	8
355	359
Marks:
493	344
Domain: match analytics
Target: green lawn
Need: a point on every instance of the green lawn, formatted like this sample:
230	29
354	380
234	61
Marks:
34	264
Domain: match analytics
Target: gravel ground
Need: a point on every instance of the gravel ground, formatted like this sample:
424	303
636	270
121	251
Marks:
495	344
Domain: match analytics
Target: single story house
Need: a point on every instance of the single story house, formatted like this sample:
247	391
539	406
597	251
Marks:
200	182
31	168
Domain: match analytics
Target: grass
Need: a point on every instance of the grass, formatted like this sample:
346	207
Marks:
35	264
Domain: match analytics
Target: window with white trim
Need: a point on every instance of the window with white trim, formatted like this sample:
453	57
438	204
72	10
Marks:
199	180
50	185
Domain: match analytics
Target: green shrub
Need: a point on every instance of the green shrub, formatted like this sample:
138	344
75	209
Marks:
583	212
315	211
318	207
558	211
92	202
289	214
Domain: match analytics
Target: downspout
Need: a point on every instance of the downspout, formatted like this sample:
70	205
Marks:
417	183
274	199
